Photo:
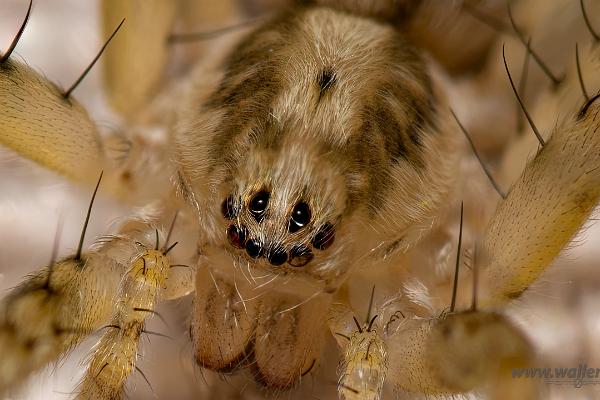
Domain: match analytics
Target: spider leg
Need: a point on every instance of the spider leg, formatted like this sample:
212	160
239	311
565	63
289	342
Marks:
39	123
458	353
290	335
447	355
544	210
46	124
135	63
57	307
114	356
363	367
278	335
148	278
116	283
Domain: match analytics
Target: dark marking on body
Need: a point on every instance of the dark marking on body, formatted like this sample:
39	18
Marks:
326	80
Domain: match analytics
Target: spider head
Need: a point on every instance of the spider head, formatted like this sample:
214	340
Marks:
305	163
285	209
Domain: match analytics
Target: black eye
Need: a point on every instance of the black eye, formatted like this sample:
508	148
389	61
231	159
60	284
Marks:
325	237
258	203
300	256
277	256
237	236
228	209
254	248
300	217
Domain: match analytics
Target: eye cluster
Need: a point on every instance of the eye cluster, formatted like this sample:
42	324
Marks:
298	255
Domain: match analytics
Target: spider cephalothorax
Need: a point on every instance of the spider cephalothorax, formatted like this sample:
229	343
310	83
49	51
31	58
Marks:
294	122
312	137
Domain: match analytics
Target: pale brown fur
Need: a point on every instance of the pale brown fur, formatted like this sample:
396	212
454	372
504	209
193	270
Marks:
324	107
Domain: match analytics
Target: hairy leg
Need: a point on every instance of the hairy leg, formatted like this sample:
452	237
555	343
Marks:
114	357
135	65
37	122
60	305
544	209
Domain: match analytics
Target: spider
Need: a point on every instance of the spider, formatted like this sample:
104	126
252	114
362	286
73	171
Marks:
312	152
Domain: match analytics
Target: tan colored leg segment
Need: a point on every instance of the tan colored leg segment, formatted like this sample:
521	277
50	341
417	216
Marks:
115	355
37	122
135	62
49	313
289	338
58	306
459	353
544	209
223	324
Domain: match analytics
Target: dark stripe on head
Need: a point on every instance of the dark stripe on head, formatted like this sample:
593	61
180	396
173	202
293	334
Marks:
391	132
250	85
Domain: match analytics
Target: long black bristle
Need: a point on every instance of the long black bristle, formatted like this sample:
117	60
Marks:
171	228
475	281
580	75
54	254
555	80
512	84
67	93
522	88
170	248
483	165
176	38
87	220
370	305
371	323
455	284
15	41
588	22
